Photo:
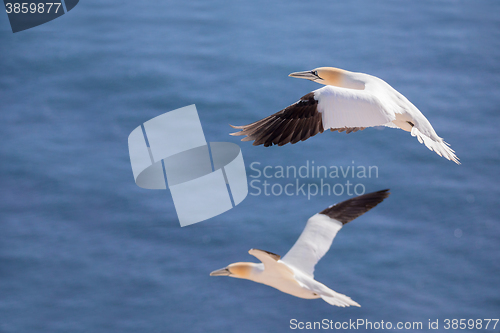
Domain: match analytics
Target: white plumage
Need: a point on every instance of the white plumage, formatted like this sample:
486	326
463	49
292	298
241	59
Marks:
342	107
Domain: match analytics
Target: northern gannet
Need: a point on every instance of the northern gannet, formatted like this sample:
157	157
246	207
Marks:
348	102
293	274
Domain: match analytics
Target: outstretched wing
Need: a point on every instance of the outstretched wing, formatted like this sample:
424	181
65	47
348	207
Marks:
295	123
322	228
334	108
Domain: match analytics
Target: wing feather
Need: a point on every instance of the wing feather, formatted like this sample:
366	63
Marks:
313	243
322	228
438	145
296	122
265	257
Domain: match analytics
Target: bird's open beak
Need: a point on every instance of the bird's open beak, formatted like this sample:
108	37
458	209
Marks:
310	75
221	272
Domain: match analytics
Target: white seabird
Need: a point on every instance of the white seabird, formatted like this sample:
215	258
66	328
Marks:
348	102
293	274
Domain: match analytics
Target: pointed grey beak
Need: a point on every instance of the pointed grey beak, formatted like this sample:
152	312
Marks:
310	75
221	272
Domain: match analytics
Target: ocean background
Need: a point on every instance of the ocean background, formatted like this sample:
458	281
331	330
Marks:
83	249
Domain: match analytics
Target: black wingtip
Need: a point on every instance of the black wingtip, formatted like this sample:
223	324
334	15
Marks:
296	122
348	210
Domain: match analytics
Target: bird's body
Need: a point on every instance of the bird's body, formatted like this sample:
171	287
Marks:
294	273
348	102
279	275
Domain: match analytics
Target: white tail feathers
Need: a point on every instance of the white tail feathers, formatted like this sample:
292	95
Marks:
339	300
439	146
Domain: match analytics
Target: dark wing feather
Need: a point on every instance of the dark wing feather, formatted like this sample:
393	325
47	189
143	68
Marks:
347	129
294	123
348	210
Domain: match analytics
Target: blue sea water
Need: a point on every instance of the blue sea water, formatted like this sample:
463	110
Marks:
83	249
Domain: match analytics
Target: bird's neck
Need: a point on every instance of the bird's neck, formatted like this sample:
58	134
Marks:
256	271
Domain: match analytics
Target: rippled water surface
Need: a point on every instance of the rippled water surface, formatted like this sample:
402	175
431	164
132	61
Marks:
83	249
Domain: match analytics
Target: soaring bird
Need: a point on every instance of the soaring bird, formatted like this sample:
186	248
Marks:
293	274
348	102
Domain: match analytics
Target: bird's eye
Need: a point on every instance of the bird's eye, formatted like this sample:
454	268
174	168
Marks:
315	73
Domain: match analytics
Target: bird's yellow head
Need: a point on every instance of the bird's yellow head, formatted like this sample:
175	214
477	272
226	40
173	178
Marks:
330	76
240	270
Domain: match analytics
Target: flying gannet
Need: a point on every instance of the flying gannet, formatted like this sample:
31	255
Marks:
348	102
293	274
